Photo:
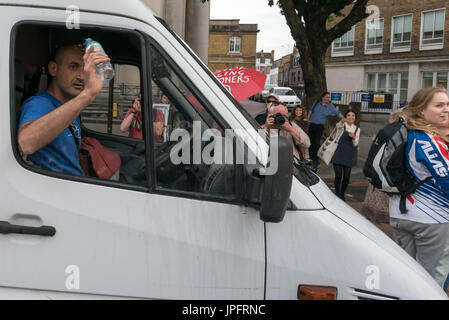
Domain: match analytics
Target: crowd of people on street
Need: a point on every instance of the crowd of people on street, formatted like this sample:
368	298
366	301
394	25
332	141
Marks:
307	130
423	230
49	128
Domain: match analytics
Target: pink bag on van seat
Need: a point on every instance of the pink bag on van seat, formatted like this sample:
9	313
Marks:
105	163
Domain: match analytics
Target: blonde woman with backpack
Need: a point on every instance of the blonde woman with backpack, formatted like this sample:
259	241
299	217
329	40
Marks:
423	230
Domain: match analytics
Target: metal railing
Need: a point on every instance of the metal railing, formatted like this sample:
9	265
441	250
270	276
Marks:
389	101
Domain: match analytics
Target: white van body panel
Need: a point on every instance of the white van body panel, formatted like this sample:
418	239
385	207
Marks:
124	243
134	244
324	250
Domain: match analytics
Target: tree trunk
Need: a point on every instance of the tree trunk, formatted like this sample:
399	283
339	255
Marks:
314	74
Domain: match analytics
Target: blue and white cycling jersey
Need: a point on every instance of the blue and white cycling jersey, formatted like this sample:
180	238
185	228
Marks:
426	156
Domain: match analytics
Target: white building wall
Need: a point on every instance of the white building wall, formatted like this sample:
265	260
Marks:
345	78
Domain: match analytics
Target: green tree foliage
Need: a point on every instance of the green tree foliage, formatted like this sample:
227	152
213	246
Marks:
313	26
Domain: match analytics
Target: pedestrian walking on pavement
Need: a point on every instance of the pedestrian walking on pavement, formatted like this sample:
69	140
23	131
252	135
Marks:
344	157
318	114
424	229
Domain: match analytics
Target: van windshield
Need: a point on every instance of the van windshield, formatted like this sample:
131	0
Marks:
244	112
301	171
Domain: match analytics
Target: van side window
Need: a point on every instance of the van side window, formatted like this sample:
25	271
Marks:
106	116
189	144
93	146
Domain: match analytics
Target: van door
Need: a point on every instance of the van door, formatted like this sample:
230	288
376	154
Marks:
182	235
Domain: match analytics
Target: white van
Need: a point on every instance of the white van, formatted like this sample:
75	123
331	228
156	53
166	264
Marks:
186	231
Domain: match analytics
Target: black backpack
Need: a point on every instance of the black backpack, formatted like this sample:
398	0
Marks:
386	167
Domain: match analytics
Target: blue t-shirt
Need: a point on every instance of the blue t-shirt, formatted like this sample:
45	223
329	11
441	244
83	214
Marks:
60	155
320	112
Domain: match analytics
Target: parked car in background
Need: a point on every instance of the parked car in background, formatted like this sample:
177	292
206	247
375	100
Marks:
262	95
287	95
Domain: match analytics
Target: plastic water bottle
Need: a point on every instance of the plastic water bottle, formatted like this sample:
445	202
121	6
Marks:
104	69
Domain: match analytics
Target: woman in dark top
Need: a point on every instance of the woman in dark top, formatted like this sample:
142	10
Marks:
298	116
344	156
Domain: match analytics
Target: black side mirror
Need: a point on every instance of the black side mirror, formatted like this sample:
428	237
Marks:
277	187
270	191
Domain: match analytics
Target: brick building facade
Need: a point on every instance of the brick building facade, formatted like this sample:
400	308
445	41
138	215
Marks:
264	61
405	48
232	44
290	72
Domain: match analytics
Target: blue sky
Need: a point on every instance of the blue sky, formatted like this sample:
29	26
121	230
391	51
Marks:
274	33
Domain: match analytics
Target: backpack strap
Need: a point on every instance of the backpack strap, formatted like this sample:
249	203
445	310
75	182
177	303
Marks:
313	106
402	203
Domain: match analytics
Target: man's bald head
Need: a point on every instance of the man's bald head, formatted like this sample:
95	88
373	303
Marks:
66	71
61	52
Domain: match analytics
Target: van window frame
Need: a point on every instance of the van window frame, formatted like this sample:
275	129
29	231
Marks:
14	117
241	109
237	197
145	41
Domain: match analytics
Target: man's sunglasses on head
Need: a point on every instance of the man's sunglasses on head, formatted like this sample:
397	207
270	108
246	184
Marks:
273	102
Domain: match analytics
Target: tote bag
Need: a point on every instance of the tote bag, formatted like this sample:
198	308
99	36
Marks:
327	149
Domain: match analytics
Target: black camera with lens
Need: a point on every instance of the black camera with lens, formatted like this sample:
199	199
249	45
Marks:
279	118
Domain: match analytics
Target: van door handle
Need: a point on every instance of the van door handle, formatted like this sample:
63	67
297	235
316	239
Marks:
46	231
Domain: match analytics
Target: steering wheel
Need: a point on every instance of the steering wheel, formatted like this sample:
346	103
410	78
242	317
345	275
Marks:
167	172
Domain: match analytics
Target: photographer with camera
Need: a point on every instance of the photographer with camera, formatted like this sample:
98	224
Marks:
262	117
132	122
277	118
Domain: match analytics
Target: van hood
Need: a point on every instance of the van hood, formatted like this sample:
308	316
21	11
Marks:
350	216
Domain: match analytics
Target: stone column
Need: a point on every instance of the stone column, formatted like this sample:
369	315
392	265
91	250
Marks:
197	27
175	15
158	6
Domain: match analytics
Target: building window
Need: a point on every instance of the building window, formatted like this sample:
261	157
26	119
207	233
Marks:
381	82
395	83
401	33
432	29
344	46
234	44
435	79
374	36
371	82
